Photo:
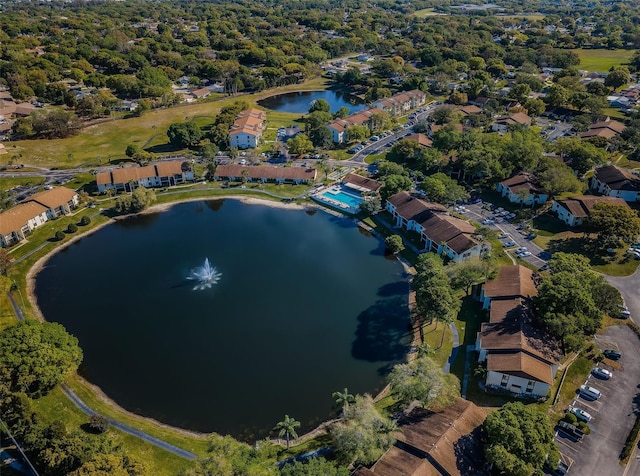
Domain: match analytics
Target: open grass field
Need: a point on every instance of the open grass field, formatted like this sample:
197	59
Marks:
602	60
7	183
425	12
98	144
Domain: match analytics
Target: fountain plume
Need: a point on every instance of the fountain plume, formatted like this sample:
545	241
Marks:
205	275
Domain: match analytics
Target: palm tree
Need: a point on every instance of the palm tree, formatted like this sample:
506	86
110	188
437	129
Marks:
287	428
343	399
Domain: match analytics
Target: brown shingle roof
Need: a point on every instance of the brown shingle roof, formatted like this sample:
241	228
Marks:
267	172
397	462
439	434
501	309
471	109
520	364
53	198
421	139
169	169
15	218
581	206
364	182
512	281
522	181
617	178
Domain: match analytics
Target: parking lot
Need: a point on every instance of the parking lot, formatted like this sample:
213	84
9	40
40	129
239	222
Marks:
478	212
612	414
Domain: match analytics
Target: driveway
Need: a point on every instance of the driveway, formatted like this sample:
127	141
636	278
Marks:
629	287
385	142
538	256
613	414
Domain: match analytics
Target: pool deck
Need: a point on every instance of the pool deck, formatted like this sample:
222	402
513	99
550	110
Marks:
319	196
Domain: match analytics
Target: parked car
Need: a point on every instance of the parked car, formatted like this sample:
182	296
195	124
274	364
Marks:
599	372
522	249
524	254
590	392
571	430
509	244
488	221
612	354
580	413
531	236
502	236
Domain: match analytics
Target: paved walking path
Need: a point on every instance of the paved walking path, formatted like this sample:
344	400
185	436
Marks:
116	424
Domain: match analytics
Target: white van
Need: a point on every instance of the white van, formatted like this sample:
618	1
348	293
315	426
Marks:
590	392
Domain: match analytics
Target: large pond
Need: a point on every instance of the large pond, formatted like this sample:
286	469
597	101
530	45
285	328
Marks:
300	102
307	305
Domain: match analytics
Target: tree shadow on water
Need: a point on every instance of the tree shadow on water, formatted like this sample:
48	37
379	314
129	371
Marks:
383	333
394	289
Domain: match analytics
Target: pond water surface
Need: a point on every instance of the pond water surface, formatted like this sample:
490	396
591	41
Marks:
307	305
300	102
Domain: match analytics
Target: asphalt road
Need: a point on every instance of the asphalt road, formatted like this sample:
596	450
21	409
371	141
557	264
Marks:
385	142
556	129
538	256
629	287
613	414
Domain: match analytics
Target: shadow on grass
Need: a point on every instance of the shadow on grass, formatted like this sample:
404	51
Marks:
548	225
163	149
582	246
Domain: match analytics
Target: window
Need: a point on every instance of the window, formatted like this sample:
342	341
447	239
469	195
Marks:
505	380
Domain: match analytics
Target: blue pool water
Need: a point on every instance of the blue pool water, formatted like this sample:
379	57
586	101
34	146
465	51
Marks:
346	198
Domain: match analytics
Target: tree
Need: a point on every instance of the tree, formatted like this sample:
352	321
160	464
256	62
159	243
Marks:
405	150
618	76
363	435
566	300
321	137
184	134
556	178
614	223
534	107
37	356
98	423
358	133
582	155
371	205
342	112
59	235
54	124
320	105
139	199
423	380
393	184
443	189
464	274
85	220
394	243
343	399
287	428
72	228
132	149
520	440
300	144
313	467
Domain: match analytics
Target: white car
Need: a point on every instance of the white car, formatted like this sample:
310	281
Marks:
509	244
524	254
602	373
580	413
502	236
522	249
488	221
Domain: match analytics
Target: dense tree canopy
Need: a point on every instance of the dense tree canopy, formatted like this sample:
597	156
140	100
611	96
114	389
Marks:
37	356
520	440
614	224
569	300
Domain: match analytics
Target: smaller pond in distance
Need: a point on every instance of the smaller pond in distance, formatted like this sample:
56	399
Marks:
300	102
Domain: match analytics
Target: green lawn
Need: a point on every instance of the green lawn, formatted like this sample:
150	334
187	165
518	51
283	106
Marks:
7	183
100	143
56	406
602	60
425	12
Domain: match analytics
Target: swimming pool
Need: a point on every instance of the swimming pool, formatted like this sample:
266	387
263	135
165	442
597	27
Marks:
352	201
